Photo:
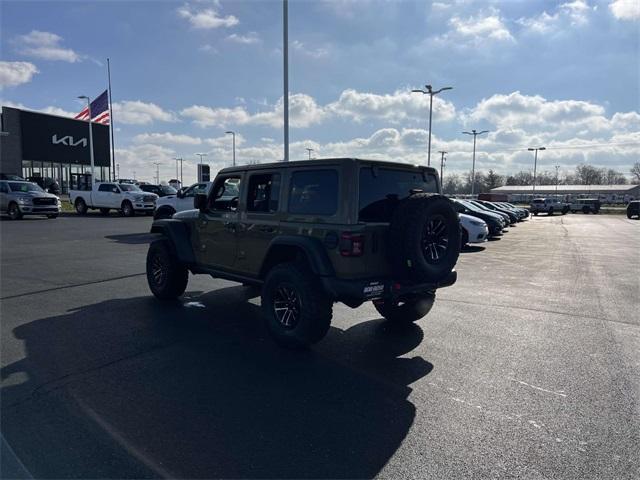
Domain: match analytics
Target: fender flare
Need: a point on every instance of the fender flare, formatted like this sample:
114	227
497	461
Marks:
177	232
313	249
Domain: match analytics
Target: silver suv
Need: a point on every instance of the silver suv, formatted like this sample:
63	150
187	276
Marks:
549	206
18	198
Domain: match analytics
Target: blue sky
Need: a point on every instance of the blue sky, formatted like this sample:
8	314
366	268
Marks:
560	74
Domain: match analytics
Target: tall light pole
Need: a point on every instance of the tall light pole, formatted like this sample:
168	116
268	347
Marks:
179	159
442	160
429	91
285	54
118	171
234	145
157	164
473	167
535	164
557	168
309	150
93	178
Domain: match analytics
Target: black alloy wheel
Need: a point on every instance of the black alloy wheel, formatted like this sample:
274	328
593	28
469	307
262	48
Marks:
14	211
159	270
286	306
435	239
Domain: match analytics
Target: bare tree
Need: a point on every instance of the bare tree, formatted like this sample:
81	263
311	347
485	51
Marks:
493	180
589	175
635	171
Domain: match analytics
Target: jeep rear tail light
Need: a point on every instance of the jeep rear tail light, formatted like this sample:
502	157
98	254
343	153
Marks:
351	244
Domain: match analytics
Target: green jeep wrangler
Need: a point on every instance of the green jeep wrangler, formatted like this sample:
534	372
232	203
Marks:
311	233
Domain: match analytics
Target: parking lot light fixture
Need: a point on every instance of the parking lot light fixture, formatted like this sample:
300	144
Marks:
429	91
535	164
84	97
230	132
309	150
473	166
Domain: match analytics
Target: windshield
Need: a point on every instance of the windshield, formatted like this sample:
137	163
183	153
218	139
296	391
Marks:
24	187
128	187
382	188
167	190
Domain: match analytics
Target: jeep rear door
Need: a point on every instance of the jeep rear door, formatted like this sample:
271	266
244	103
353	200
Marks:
260	219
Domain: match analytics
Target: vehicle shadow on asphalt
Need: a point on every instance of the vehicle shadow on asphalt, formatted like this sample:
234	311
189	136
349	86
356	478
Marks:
133	238
197	389
472	249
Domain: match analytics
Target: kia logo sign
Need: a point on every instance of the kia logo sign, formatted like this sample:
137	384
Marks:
68	141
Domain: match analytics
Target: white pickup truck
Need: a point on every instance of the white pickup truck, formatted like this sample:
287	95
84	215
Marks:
105	196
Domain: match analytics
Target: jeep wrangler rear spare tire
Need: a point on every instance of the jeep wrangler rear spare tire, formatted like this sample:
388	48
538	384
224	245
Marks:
424	238
296	310
166	276
406	311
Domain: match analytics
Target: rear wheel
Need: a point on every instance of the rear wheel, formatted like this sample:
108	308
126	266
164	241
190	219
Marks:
166	276
14	211
565	210
296	310
406	311
535	212
81	206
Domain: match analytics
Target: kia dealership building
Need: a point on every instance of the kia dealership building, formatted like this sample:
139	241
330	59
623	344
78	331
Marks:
37	144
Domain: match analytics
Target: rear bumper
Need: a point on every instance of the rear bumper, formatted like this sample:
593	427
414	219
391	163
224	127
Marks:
355	292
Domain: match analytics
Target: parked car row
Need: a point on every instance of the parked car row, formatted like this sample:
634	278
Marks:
480	219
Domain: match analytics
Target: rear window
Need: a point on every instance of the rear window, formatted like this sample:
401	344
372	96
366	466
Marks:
382	188
314	192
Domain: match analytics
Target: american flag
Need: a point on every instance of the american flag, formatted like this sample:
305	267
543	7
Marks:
99	110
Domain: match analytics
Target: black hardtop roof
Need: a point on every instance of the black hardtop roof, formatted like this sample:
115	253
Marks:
321	163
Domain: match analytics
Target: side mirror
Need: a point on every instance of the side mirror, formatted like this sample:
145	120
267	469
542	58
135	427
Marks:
200	202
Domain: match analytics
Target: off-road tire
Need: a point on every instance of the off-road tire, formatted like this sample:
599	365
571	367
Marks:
409	311
52	215
127	209
314	307
421	225
13	210
172	281
81	206
104	211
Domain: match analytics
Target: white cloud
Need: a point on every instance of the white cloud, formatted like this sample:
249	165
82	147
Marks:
207	18
478	29
625	9
298	46
45	45
135	112
572	14
59	111
394	108
167	138
16	73
248	39
204	116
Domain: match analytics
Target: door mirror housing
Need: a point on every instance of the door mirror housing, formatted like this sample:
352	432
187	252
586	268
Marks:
200	202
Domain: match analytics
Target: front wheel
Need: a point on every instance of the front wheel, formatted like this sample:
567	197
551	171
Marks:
127	209
166	276
406	311
14	211
296	310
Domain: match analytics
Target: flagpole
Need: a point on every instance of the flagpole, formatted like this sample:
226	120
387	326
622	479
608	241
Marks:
113	148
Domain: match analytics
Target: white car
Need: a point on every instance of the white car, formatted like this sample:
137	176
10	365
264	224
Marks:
183	200
105	196
474	230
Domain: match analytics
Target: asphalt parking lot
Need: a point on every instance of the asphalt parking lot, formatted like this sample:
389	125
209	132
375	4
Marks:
528	367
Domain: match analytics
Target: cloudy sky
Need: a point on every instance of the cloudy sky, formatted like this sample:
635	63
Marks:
560	74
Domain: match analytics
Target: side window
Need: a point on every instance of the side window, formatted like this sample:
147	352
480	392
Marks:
263	193
105	187
314	192
189	192
224	197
